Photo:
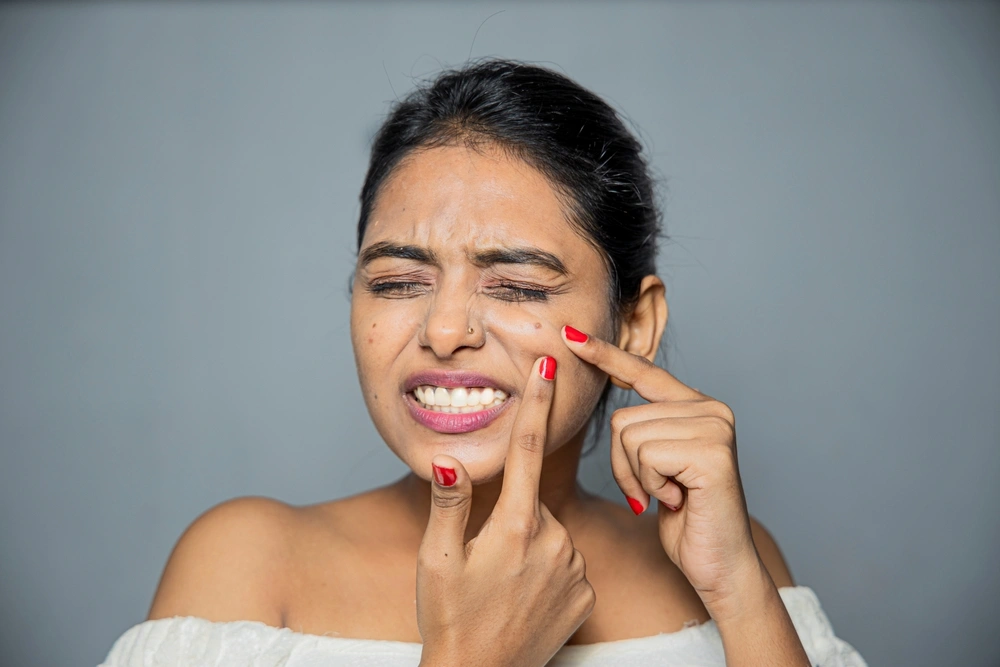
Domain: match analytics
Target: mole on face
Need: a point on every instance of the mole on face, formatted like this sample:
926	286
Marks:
538	325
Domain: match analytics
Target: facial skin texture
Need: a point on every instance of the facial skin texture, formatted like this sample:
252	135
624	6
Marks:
455	203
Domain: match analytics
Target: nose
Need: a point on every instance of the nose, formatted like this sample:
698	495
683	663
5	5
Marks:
449	326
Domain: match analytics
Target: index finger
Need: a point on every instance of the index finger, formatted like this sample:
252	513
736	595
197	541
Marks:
650	381
523	468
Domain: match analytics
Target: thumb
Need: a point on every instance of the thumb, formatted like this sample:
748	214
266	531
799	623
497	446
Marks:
451	499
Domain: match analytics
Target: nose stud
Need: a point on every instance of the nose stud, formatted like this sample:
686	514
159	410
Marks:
470	330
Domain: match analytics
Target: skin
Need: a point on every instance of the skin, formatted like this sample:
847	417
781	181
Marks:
347	567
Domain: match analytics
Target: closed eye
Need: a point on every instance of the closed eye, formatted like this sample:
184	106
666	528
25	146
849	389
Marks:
399	289
516	293
511	292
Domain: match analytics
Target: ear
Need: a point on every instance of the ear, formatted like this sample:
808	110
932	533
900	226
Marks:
642	329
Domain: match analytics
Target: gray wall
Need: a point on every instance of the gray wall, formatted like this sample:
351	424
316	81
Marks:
177	198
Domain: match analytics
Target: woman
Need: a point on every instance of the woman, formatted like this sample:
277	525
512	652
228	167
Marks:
505	275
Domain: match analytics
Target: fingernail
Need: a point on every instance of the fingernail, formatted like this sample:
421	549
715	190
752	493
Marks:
672	508
444	476
547	368
574	335
635	505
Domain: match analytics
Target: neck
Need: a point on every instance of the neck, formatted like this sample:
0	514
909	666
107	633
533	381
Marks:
557	489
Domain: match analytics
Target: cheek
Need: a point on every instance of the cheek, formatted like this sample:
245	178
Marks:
528	334
378	337
528	331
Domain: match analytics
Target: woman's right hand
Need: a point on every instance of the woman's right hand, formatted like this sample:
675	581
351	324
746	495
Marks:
515	593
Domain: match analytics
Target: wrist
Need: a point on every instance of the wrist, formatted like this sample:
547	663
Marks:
750	593
756	628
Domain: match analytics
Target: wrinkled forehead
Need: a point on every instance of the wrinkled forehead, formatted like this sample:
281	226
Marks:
455	199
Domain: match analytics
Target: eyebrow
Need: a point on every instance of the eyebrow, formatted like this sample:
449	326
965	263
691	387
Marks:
485	258
389	249
533	256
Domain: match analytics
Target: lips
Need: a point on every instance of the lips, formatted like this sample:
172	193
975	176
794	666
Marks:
454	401
449	422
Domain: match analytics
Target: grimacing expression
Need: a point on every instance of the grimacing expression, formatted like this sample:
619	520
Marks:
464	238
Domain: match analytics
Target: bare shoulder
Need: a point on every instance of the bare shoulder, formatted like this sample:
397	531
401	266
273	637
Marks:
230	563
770	555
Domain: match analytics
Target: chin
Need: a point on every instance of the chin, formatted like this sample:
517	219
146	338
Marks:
483	462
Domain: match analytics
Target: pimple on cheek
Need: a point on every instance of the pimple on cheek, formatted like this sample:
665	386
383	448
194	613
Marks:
527	338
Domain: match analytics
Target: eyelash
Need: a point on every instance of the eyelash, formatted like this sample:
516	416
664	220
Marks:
510	292
399	289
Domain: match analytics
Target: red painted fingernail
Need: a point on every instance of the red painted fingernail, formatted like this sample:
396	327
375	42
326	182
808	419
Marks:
635	505
548	368
574	335
444	476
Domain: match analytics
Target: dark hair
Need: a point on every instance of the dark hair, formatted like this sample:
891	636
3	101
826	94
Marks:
562	129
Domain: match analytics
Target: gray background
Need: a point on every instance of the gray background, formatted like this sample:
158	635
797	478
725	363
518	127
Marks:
178	195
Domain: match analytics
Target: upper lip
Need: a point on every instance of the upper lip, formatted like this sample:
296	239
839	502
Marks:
452	379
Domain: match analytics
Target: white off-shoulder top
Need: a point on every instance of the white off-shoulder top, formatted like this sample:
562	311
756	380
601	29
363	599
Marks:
190	642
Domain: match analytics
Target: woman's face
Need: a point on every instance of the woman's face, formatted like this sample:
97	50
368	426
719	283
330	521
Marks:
467	272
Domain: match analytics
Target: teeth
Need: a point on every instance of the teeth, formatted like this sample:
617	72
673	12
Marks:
442	397
459	400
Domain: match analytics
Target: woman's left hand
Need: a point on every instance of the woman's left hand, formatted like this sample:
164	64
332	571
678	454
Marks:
680	448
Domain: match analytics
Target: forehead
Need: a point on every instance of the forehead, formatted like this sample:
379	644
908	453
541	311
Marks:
455	198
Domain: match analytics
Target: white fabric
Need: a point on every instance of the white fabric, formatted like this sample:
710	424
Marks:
190	642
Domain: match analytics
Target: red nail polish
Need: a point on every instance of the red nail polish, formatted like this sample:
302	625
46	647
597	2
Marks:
548	368
574	335
635	505
444	476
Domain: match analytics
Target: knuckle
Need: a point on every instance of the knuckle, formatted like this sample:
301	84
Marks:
557	537
558	551
645	453
588	597
722	425
725	412
646	367
429	563
524	527
451	501
722	457
565	542
627	432
531	441
619	420
540	393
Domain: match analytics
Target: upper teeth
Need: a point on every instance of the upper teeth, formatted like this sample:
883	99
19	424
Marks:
459	399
